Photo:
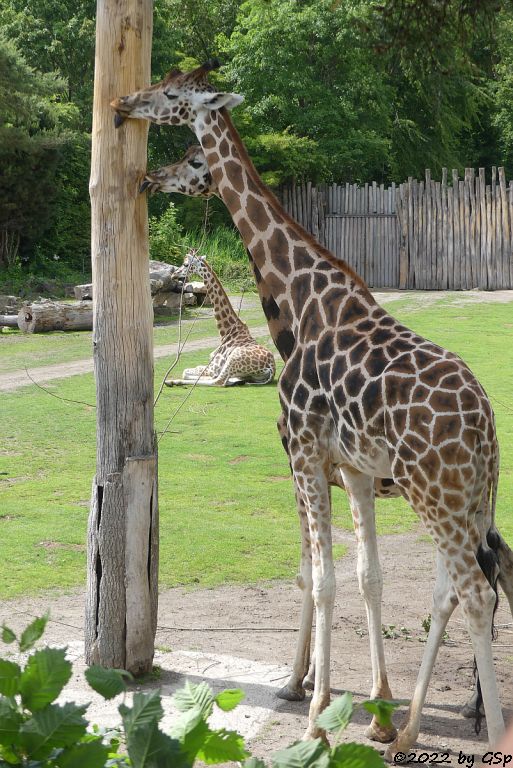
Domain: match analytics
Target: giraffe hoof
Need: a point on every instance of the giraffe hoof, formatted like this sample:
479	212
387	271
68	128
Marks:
308	684
468	710
377	732
315	733
291	694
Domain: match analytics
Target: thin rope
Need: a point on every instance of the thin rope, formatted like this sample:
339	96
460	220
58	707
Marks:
59	397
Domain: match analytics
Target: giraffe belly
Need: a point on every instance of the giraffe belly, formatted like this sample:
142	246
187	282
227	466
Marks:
362	452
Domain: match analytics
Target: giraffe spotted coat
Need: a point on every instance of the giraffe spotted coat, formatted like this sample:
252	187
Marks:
362	393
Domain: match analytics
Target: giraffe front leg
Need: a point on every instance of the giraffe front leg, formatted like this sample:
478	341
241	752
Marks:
360	490
294	689
313	485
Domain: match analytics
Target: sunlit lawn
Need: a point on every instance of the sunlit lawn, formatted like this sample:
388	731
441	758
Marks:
227	509
20	350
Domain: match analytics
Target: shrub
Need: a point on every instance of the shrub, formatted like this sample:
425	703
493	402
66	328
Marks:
35	732
166	237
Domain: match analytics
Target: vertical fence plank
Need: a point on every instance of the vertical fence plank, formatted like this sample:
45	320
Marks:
456	231
504	230
445	230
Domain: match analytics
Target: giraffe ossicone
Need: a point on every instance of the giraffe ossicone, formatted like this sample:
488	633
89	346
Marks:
367	397
239	358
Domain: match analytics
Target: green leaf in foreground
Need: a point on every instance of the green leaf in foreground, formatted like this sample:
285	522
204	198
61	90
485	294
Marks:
303	754
222	747
253	762
33	632
355	756
146	709
91	755
10	722
382	709
228	699
188	728
44	677
337	715
52	727
8	635
191	696
107	682
148	747
9	677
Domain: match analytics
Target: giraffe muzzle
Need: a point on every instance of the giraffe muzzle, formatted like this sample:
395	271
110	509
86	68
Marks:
150	185
121	110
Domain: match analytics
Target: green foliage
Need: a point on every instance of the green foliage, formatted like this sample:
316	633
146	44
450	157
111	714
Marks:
322	83
107	682
354	91
226	254
337	715
37	732
166	237
33	728
32	633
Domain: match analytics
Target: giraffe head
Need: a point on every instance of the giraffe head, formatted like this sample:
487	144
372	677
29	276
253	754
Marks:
193	264
176	100
189	176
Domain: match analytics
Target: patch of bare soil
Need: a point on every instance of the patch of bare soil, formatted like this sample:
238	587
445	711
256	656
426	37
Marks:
244	636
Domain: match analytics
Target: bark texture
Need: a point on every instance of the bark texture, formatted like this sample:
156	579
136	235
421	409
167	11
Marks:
121	603
42	316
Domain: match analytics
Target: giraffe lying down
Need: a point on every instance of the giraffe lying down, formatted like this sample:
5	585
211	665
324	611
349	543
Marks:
191	176
239	359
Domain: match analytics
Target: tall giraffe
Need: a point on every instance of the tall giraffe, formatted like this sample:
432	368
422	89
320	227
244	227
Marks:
191	176
361	392
238	358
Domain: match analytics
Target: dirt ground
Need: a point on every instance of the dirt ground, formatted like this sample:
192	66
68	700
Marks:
244	636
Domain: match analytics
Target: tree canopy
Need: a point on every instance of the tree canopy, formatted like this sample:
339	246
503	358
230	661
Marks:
345	91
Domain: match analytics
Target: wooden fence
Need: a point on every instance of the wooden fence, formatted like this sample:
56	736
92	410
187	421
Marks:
427	235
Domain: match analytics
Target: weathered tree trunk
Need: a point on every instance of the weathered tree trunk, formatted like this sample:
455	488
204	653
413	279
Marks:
121	602
9	321
41	316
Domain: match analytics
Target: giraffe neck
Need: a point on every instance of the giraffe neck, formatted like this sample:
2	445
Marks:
288	259
228	322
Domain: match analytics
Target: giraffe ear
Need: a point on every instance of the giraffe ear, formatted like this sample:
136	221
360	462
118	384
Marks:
218	100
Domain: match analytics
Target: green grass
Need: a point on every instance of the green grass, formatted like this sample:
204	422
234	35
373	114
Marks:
31	350
226	502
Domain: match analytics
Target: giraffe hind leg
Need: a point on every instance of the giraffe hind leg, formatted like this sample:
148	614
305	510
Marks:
487	557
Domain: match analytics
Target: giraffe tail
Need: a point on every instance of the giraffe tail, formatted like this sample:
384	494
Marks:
505	555
489	561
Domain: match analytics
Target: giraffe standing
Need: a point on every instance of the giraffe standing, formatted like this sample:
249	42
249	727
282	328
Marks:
238	358
191	176
365	394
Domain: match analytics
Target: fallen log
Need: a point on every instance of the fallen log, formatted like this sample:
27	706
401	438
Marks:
42	316
10	321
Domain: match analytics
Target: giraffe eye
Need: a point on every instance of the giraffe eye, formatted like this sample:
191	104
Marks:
170	95
195	163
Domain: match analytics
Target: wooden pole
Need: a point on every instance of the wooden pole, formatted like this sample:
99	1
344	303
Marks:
121	601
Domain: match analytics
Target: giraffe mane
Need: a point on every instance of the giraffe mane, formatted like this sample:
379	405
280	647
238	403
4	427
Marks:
339	264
